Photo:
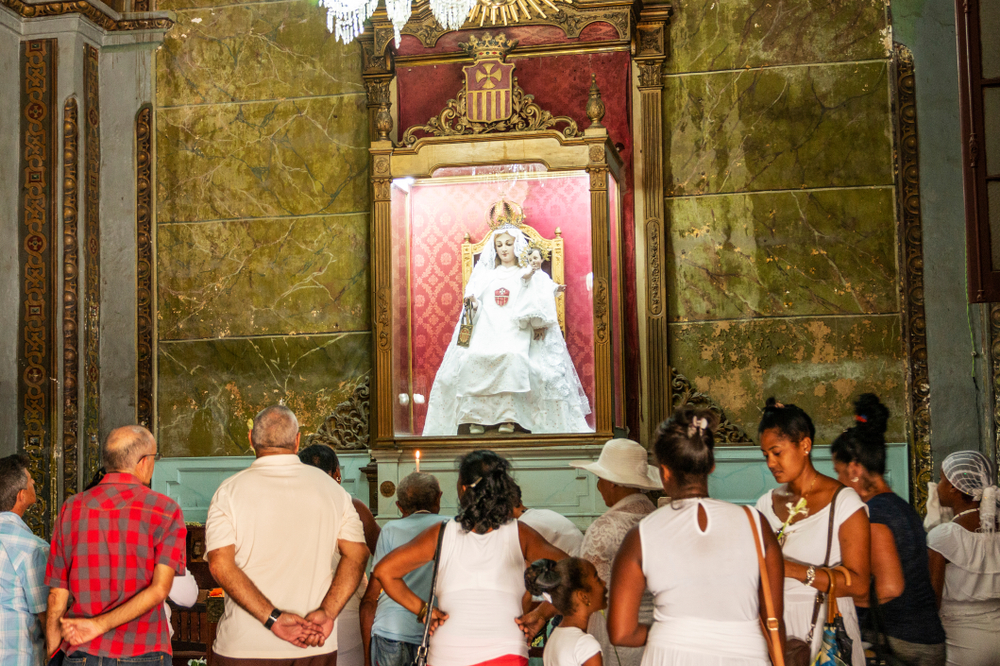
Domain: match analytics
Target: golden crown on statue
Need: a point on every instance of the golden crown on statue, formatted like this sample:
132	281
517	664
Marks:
488	46
505	213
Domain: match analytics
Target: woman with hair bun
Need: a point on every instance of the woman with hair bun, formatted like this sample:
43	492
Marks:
902	581
698	557
574	588
480	581
965	560
799	513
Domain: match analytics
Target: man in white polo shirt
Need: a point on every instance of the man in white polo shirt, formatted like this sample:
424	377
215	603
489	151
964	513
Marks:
271	536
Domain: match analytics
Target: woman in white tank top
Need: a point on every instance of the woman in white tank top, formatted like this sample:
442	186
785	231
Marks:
698	558
480	583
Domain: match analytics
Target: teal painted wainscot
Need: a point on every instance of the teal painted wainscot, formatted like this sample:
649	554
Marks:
546	480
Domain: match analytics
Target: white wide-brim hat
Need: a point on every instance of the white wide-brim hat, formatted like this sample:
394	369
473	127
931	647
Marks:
625	463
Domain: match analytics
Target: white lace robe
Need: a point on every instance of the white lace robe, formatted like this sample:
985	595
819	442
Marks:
601	543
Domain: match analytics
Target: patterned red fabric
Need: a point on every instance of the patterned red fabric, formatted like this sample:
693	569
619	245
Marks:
104	548
440	217
560	84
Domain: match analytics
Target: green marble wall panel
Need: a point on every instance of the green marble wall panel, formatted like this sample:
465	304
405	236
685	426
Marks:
266	159
816	252
208	389
777	128
818	363
275	50
709	35
263	277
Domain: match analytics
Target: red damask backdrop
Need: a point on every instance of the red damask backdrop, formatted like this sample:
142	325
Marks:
559	84
439	216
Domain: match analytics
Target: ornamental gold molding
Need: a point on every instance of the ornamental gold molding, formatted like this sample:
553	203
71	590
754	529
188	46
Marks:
911	262
526	116
92	259
96	15
570	18
71	297
144	266
36	253
995	375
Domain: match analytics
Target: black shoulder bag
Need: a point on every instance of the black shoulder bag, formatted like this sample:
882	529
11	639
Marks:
421	659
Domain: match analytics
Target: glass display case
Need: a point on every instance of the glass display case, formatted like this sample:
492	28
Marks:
497	290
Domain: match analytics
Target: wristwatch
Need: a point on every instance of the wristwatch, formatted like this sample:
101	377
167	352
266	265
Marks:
272	618
810	575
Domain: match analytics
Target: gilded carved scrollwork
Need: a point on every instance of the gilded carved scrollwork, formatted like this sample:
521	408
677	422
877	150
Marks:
654	295
377	91
36	246
650	73
683	393
90	11
92	294
602	325
347	427
912	269
383	322
526	116
995	374
144	266
71	296
569	18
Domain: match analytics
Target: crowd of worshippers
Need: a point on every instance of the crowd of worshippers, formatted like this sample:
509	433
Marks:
822	571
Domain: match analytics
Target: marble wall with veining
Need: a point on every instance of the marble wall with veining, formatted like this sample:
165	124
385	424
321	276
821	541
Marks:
780	200
261	220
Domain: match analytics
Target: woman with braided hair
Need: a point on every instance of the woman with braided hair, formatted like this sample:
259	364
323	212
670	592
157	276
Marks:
902	583
480	585
965	560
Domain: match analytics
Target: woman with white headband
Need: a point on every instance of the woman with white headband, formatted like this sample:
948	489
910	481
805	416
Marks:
964	558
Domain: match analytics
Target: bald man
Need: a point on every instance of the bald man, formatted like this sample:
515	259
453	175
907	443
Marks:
115	550
272	539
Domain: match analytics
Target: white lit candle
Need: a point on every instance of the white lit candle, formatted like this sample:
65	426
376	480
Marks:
416	455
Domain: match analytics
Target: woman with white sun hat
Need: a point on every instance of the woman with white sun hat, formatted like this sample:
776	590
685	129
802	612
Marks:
623	476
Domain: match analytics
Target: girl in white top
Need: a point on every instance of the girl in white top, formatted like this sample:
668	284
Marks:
577	592
698	558
799	512
964	559
480	574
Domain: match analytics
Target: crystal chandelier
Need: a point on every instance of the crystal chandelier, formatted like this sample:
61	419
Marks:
346	18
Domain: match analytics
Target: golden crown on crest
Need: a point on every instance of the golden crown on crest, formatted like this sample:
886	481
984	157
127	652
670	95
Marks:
488	46
505	213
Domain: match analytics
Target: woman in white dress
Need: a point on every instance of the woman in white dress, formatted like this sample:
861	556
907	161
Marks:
698	558
799	512
489	383
622	475
964	560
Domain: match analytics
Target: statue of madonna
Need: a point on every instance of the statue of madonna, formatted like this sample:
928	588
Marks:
492	381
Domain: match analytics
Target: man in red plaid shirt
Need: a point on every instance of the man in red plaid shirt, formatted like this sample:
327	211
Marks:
115	551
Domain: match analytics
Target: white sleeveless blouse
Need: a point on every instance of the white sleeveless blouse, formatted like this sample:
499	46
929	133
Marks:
480	586
704	585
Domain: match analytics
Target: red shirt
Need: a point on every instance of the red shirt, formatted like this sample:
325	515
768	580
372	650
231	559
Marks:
104	548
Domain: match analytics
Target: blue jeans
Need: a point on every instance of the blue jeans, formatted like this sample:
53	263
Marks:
387	652
148	659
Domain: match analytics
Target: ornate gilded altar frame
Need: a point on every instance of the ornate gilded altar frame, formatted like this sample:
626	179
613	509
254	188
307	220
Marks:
590	151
